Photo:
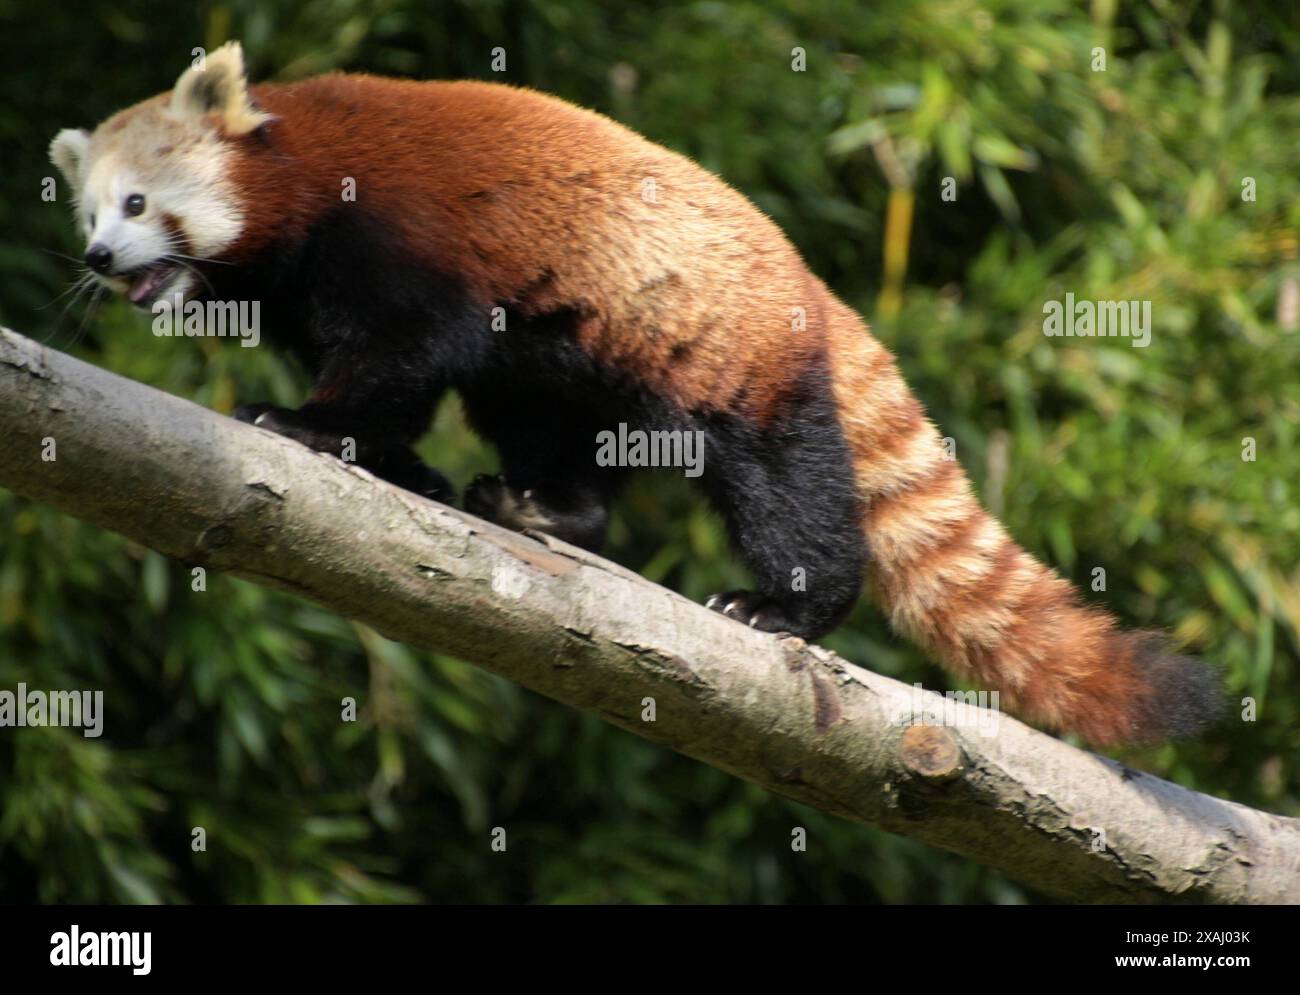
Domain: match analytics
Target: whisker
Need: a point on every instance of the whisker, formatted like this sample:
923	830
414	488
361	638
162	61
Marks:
201	259
83	283
76	285
193	269
96	298
64	255
173	242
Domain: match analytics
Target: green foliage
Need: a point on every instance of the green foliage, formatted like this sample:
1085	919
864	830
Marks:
223	707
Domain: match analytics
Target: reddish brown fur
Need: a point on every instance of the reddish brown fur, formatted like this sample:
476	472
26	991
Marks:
519	168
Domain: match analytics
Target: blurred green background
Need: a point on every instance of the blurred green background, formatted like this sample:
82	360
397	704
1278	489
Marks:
222	707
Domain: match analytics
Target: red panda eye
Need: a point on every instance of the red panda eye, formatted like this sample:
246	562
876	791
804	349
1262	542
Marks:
134	205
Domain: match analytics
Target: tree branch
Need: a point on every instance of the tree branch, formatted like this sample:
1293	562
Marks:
791	718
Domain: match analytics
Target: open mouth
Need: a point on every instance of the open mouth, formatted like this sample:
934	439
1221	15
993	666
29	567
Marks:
148	282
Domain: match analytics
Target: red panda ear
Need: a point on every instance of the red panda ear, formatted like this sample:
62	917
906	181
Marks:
68	152
216	84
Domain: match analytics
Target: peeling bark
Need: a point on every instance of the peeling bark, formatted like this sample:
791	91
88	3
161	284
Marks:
792	718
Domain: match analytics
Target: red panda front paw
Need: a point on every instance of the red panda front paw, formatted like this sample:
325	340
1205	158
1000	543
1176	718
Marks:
403	467
753	609
294	425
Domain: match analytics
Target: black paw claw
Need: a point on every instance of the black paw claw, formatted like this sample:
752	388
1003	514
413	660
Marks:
752	609
250	413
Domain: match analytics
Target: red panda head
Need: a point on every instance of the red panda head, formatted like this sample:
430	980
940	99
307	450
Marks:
152	186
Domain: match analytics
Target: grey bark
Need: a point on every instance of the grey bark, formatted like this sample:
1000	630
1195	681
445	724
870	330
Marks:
792	718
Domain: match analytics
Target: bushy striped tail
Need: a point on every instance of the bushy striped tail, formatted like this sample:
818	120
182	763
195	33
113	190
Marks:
951	580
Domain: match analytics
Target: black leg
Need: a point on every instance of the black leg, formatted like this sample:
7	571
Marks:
370	421
788	495
807	583
403	467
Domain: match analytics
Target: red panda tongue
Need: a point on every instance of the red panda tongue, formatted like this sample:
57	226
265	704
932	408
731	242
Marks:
148	283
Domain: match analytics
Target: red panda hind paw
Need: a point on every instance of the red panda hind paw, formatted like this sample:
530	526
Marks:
753	609
573	515
249	413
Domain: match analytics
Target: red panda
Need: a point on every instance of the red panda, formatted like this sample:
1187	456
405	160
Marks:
385	226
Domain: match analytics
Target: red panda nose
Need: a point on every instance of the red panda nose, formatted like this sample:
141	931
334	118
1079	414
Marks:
99	258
